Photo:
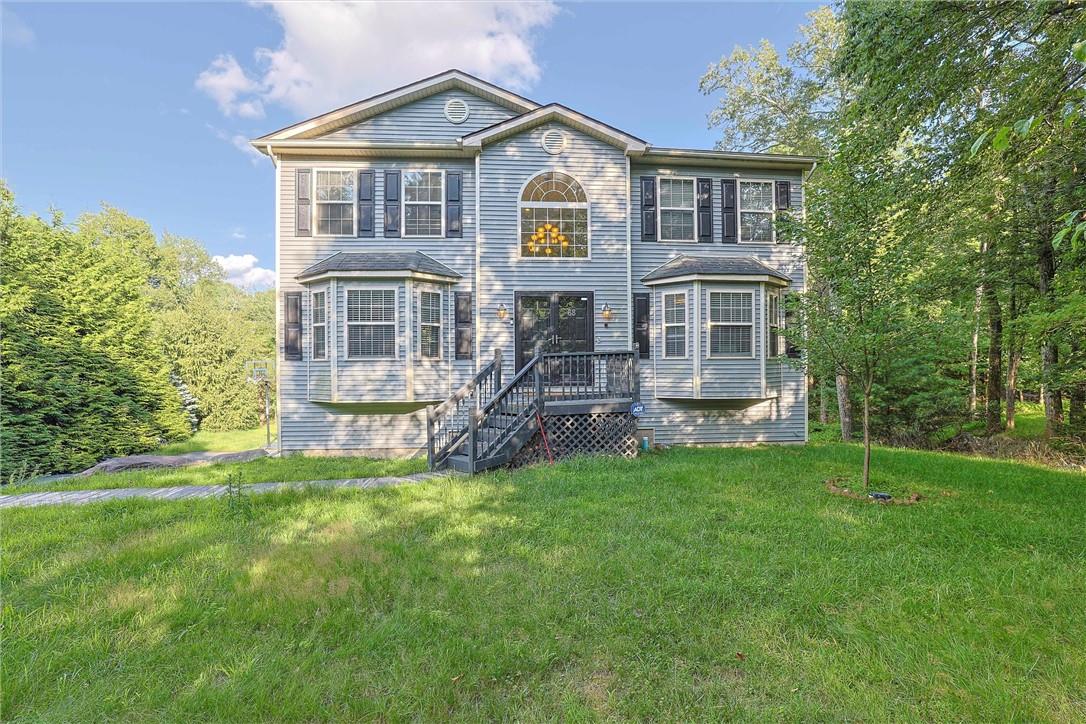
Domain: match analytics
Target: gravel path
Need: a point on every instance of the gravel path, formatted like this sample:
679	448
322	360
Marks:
81	497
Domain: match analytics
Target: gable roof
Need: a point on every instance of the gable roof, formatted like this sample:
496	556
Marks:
374	105
685	266
555	112
386	264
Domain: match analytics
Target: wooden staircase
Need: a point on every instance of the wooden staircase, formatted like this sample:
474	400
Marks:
485	423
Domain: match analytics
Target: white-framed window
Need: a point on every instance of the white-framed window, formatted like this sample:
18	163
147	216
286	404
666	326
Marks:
430	325
678	209
775	320
731	324
371	323
675	325
335	200
319	324
423	203
756	211
553	218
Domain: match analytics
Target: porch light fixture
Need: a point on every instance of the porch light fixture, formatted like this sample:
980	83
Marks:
502	313
608	314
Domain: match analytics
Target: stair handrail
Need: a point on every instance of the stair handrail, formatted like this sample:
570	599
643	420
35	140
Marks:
479	416
435	415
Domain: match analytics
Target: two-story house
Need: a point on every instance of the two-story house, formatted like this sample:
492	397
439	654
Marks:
453	259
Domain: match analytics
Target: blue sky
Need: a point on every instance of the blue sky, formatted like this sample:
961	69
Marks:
145	105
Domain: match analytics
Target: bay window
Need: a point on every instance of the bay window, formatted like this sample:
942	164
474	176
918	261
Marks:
371	323
319	325
731	324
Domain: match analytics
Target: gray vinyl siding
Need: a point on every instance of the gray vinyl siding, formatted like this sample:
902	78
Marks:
729	420
505	168
308	422
424	120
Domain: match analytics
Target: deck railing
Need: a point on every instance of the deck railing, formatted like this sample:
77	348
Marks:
447	424
585	376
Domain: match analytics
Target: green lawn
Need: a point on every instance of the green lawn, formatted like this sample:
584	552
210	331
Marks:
261	470
693	584
227	441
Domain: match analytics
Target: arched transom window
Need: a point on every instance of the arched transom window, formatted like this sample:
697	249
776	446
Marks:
554	217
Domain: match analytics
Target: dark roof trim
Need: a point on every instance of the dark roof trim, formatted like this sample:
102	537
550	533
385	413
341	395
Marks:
378	264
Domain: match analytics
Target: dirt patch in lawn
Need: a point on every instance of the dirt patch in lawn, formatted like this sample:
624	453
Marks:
835	487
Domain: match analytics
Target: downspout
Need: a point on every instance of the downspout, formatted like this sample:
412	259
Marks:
478	255
278	310
629	260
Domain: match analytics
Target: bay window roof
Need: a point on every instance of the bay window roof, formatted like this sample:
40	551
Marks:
728	268
379	265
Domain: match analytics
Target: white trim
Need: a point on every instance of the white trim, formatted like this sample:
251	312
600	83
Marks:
476	319
587	206
333	352
403	203
278	304
685	324
313	323
392	99
314	223
347	324
631	327
440	325
459	103
409	351
660	209
751	278
550	112
739	209
391	274
697	339
710	324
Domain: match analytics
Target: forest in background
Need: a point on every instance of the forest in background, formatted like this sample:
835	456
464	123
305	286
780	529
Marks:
116	341
946	222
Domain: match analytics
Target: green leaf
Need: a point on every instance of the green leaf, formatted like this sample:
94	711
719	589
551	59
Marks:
1078	50
1023	126
978	143
1001	141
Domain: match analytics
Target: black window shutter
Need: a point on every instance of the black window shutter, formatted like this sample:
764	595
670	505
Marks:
784	194
705	210
648	208
454	204
465	336
392	204
292	325
728	220
641	324
303	203
365	204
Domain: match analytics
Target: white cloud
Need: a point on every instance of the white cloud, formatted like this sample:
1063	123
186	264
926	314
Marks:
333	53
227	83
242	271
237	233
16	33
238	141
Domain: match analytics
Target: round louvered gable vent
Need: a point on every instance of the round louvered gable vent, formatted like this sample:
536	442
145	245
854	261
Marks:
553	141
456	110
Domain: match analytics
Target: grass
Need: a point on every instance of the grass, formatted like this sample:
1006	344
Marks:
692	584
291	467
226	441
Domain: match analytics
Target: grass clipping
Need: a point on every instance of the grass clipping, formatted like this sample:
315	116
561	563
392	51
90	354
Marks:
832	485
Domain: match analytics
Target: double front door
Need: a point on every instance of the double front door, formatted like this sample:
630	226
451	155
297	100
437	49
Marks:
560	321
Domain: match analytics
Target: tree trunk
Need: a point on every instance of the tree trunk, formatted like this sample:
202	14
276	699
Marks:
823	405
844	407
974	354
1012	385
1076	413
867	437
993	393
1053	400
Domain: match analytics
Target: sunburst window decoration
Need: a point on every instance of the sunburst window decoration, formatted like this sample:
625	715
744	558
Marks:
554	218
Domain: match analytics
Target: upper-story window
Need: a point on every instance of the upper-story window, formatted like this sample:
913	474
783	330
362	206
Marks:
756	211
677	210
554	218
423	193
335	202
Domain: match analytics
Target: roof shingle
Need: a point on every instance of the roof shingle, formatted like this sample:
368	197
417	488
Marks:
684	265
409	261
